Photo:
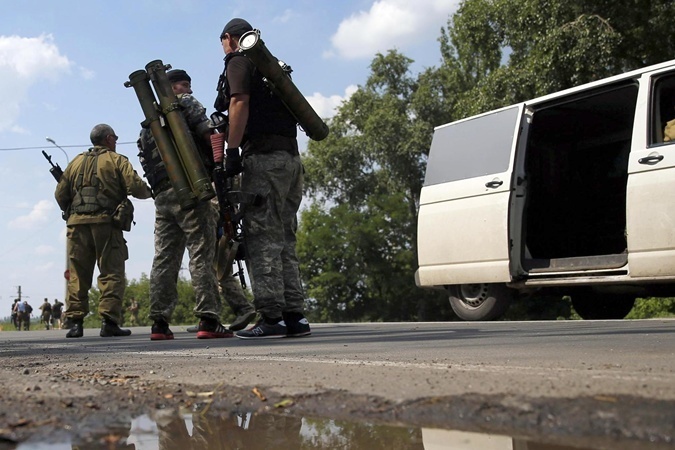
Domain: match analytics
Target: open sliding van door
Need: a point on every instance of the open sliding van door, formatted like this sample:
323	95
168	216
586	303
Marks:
463	224
650	208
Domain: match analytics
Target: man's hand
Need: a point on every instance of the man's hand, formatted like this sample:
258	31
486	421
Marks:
233	164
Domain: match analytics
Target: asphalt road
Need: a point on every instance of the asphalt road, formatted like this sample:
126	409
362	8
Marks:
519	372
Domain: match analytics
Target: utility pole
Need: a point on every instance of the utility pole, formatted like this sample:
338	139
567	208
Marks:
66	272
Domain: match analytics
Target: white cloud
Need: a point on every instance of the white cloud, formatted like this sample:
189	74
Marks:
39	215
285	17
44	250
23	62
326	107
47	267
87	74
390	24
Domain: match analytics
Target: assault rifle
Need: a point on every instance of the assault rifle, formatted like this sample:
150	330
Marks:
55	169
230	230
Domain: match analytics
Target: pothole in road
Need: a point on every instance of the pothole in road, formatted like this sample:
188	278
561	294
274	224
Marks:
181	430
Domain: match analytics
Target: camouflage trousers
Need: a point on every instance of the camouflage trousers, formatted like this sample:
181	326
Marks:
176	230
270	231
89	245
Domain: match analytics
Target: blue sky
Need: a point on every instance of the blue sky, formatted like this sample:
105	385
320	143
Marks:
63	66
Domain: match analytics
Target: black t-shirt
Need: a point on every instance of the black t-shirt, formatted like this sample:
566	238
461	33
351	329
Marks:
267	113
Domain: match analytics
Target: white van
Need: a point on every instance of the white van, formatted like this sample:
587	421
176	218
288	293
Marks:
571	194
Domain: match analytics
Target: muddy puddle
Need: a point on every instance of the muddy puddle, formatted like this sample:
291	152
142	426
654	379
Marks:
183	430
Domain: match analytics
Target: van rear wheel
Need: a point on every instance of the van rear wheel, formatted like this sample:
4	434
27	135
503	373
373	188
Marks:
591	306
480	301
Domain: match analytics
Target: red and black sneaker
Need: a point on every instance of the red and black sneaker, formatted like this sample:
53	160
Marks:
160	331
212	329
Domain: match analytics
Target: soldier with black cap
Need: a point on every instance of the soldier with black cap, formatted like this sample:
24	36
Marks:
176	229
266	131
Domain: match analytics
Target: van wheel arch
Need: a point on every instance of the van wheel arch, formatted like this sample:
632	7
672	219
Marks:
480	301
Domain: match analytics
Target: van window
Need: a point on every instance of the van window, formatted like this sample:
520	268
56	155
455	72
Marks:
663	110
456	154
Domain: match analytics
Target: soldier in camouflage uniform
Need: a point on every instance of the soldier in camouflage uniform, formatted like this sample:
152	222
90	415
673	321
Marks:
176	229
266	131
91	188
233	293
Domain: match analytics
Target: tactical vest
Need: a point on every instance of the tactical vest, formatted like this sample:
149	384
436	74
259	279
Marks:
151	161
88	199
267	113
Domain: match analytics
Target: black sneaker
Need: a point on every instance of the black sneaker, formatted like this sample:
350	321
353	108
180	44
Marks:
212	329
264	330
111	329
76	329
297	325
242	319
160	331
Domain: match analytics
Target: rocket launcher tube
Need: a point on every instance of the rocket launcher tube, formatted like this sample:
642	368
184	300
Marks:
185	144
140	81
254	48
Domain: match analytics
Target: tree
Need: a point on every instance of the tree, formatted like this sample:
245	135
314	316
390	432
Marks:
515	50
358	238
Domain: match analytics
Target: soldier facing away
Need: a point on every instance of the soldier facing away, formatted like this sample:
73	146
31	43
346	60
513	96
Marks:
90	191
177	229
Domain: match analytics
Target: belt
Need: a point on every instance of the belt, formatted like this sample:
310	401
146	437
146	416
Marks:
269	143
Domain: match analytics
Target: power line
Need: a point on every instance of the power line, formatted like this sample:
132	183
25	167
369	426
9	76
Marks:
64	146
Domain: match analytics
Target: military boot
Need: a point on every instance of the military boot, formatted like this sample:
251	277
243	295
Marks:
76	330
110	329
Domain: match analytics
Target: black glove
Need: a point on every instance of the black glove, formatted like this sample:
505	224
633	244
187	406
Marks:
233	164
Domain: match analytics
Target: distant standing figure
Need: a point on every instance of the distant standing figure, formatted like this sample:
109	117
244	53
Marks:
15	313
133	311
25	311
46	315
57	310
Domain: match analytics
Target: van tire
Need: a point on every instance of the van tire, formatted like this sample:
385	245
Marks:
480	301
591	306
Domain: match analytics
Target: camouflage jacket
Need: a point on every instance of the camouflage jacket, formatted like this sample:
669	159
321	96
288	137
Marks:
117	179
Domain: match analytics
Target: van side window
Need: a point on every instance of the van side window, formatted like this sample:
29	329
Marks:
456	154
663	110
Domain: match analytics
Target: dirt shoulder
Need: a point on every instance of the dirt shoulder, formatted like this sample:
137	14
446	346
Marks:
48	399
582	382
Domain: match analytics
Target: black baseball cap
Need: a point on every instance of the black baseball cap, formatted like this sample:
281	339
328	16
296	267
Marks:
177	75
236	27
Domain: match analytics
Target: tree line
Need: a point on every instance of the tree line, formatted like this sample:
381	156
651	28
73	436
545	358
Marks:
357	237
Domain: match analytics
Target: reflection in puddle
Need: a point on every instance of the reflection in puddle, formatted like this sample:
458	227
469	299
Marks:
197	431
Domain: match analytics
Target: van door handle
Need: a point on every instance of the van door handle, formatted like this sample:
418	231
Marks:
651	159
494	183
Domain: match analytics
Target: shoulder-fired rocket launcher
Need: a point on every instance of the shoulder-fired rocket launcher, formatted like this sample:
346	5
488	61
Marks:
281	84
172	135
